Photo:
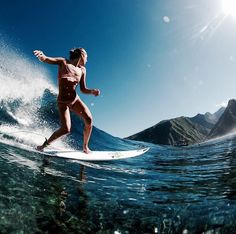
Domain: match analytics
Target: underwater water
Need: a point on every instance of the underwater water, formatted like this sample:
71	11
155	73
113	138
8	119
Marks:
167	190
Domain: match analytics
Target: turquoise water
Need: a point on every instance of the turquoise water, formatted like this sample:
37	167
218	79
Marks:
167	190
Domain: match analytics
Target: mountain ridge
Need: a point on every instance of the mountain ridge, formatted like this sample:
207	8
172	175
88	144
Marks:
181	130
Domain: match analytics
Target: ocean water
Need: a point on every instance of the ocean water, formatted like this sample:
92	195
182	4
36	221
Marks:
167	190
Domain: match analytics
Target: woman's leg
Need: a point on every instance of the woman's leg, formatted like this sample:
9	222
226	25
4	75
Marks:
65	125
83	111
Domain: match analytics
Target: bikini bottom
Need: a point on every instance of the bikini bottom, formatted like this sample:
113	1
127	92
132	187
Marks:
69	103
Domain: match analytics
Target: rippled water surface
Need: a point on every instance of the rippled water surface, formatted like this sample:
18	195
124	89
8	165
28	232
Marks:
167	190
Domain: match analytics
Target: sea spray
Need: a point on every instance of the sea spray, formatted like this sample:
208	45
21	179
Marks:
21	78
23	84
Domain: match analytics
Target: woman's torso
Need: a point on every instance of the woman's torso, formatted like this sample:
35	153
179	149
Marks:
68	78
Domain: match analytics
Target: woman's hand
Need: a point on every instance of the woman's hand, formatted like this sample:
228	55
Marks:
95	92
40	55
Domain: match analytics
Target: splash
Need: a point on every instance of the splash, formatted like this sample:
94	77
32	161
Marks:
20	78
23	84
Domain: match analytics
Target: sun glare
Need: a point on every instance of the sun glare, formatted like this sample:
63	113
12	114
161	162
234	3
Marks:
229	7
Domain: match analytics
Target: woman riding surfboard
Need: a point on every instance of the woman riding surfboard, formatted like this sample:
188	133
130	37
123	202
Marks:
71	72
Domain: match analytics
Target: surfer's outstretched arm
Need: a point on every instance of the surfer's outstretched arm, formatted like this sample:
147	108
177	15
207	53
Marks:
83	87
51	60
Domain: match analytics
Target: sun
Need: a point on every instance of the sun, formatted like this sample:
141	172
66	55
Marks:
229	7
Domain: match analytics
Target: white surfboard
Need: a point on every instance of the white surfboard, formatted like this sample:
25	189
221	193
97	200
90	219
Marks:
94	155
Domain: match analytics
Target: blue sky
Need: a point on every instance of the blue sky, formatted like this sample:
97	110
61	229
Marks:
152	60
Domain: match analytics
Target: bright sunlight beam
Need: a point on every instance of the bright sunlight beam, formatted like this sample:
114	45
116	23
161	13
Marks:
229	7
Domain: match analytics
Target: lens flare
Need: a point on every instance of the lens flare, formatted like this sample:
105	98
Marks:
229	7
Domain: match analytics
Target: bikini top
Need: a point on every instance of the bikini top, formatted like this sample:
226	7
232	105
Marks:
71	73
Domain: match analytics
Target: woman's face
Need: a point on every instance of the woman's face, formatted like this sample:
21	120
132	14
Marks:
84	56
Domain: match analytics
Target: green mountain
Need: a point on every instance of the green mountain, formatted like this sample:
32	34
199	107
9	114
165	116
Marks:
181	130
170	132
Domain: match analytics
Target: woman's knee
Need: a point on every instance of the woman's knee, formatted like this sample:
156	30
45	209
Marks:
88	120
65	129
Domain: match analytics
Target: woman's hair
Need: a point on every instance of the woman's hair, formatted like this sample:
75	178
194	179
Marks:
76	53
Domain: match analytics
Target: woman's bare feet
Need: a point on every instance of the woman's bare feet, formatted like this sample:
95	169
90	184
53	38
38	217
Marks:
86	149
40	147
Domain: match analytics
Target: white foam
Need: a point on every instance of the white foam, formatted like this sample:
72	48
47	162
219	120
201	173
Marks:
30	136
21	78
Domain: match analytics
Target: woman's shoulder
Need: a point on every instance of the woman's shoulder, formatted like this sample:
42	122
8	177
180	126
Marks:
83	68
61	61
66	61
